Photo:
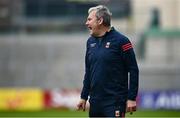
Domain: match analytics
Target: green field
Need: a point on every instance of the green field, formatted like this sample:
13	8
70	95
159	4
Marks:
72	113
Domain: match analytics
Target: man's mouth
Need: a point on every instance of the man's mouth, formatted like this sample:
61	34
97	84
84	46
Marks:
90	28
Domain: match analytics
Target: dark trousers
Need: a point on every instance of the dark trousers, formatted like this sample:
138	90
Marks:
107	109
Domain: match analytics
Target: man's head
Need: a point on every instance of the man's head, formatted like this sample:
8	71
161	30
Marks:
99	18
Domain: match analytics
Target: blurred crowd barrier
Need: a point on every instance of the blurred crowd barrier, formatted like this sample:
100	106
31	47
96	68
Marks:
168	99
21	99
37	99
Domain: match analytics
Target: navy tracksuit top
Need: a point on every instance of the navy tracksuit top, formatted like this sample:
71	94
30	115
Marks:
108	61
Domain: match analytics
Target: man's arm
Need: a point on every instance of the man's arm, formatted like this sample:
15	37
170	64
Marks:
132	67
86	85
86	81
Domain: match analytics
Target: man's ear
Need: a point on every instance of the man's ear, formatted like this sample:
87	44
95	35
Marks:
100	21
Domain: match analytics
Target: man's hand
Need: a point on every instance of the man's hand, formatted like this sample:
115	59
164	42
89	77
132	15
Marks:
131	106
81	105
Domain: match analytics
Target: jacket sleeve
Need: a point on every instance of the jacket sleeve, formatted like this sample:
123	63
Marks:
132	68
86	81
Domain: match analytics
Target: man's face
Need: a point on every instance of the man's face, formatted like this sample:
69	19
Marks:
92	23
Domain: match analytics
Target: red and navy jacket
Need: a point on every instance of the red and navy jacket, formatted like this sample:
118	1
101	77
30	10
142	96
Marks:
109	63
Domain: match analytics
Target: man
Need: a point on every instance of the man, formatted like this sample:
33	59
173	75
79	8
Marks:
109	62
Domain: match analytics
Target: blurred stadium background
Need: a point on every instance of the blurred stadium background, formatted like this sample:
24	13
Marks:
42	48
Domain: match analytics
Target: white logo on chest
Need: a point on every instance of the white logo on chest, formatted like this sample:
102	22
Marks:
92	45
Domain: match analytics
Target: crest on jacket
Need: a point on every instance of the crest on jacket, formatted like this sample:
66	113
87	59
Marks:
107	45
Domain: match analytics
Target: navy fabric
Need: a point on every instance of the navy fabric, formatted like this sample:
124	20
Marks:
109	62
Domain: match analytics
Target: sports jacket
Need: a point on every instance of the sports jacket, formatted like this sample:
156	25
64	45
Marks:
108	61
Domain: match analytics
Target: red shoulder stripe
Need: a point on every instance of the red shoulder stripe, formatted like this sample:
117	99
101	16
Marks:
127	46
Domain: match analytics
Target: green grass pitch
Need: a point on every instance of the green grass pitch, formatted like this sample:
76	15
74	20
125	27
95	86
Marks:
73	113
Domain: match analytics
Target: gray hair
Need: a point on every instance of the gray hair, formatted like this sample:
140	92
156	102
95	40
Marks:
102	12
